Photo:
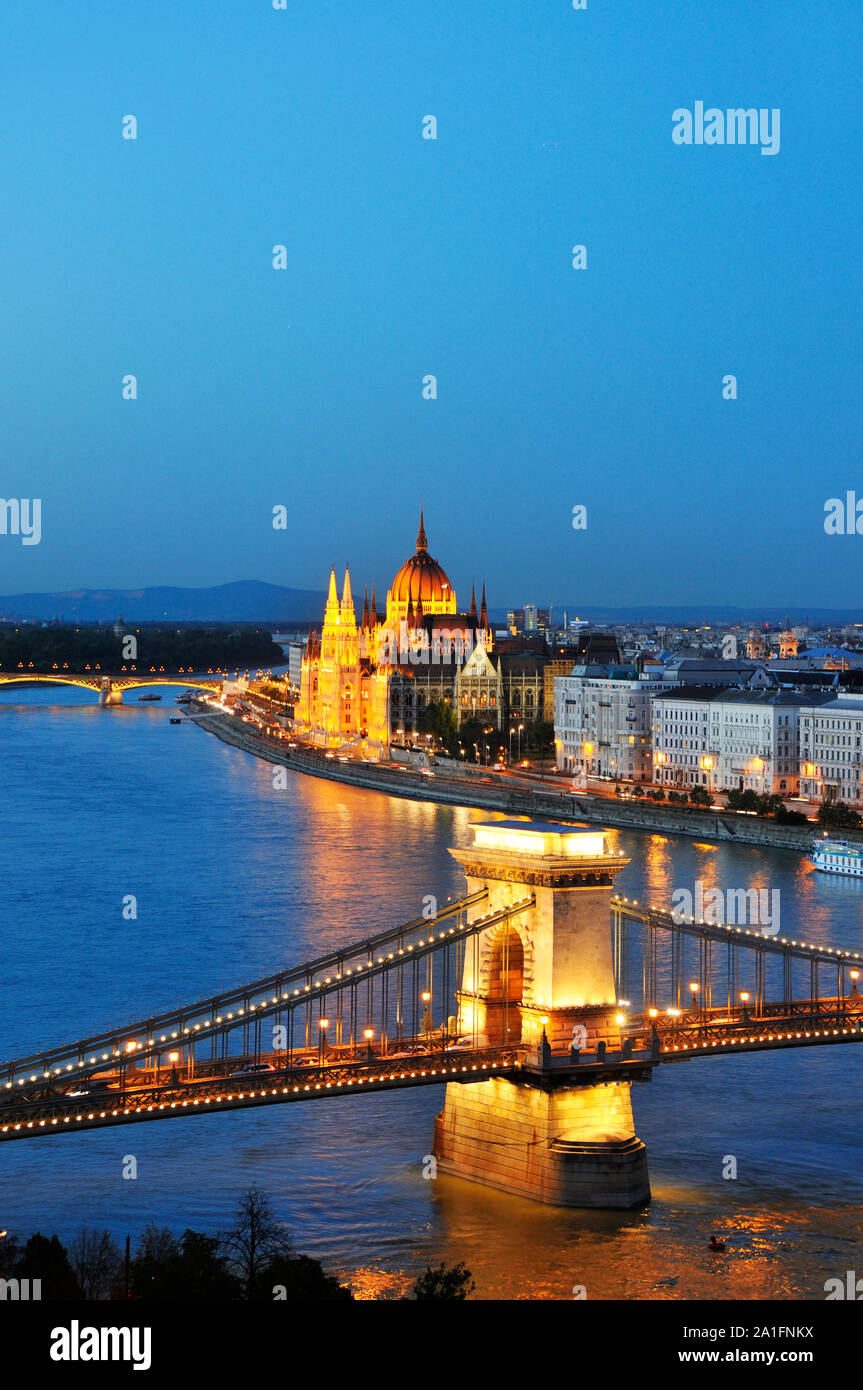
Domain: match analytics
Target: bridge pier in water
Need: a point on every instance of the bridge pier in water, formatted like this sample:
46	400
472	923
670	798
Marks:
108	694
545	983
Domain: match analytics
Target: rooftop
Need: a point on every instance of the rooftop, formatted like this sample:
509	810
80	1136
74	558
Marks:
548	839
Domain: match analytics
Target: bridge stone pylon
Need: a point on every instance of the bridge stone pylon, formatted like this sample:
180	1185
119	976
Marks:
109	694
544	983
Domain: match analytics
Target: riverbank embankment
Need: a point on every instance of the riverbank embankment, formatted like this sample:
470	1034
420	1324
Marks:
472	788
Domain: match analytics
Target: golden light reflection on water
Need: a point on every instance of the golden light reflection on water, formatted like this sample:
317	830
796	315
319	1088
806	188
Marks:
370	1283
658	870
522	1250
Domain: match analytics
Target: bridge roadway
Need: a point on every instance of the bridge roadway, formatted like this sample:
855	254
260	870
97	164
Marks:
222	1013
122	1096
119	680
127	1100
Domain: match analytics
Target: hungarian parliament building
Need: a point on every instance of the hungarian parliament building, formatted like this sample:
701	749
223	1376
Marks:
368	682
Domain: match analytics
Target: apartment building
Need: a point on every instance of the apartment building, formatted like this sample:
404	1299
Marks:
732	740
830	750
602	721
680	727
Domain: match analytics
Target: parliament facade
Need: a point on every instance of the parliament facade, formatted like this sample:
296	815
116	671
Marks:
367	683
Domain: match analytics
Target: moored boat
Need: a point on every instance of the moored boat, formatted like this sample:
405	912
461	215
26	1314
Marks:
837	857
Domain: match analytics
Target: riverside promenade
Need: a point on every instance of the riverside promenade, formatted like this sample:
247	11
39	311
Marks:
475	787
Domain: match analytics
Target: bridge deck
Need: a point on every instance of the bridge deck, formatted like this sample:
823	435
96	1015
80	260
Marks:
120	1076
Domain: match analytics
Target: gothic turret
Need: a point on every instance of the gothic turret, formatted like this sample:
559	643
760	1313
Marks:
347	606
331	612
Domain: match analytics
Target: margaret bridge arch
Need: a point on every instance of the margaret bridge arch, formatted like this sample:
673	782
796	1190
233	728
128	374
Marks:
109	686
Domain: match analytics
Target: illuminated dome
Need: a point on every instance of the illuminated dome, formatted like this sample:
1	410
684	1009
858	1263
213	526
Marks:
422	578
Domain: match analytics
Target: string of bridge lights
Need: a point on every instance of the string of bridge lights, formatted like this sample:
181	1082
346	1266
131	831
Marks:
56	1123
705	1043
319	987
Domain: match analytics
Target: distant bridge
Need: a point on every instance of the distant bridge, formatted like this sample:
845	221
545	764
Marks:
110	685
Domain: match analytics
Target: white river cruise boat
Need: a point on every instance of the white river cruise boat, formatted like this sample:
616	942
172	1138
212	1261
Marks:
837	857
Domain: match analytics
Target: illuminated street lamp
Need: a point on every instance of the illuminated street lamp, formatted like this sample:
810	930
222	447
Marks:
744	999
693	989
323	1024
427	1023
368	1034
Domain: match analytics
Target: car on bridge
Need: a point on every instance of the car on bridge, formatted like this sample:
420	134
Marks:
254	1069
90	1088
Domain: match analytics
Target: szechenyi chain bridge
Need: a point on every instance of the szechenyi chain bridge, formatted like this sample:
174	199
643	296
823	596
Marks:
539	997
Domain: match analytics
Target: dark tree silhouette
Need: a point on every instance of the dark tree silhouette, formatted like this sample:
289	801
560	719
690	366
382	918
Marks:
290	1278
190	1268
45	1258
453	1282
255	1239
97	1263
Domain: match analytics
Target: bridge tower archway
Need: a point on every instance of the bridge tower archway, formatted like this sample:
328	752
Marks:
505	989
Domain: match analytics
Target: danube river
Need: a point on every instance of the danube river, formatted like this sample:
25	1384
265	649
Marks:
233	879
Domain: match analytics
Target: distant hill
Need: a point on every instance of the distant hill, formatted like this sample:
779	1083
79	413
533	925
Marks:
245	601
250	600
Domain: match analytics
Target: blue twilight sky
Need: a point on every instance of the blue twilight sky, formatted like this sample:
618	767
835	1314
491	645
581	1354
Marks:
452	257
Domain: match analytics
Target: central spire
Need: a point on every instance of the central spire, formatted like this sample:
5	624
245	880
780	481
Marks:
422	543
